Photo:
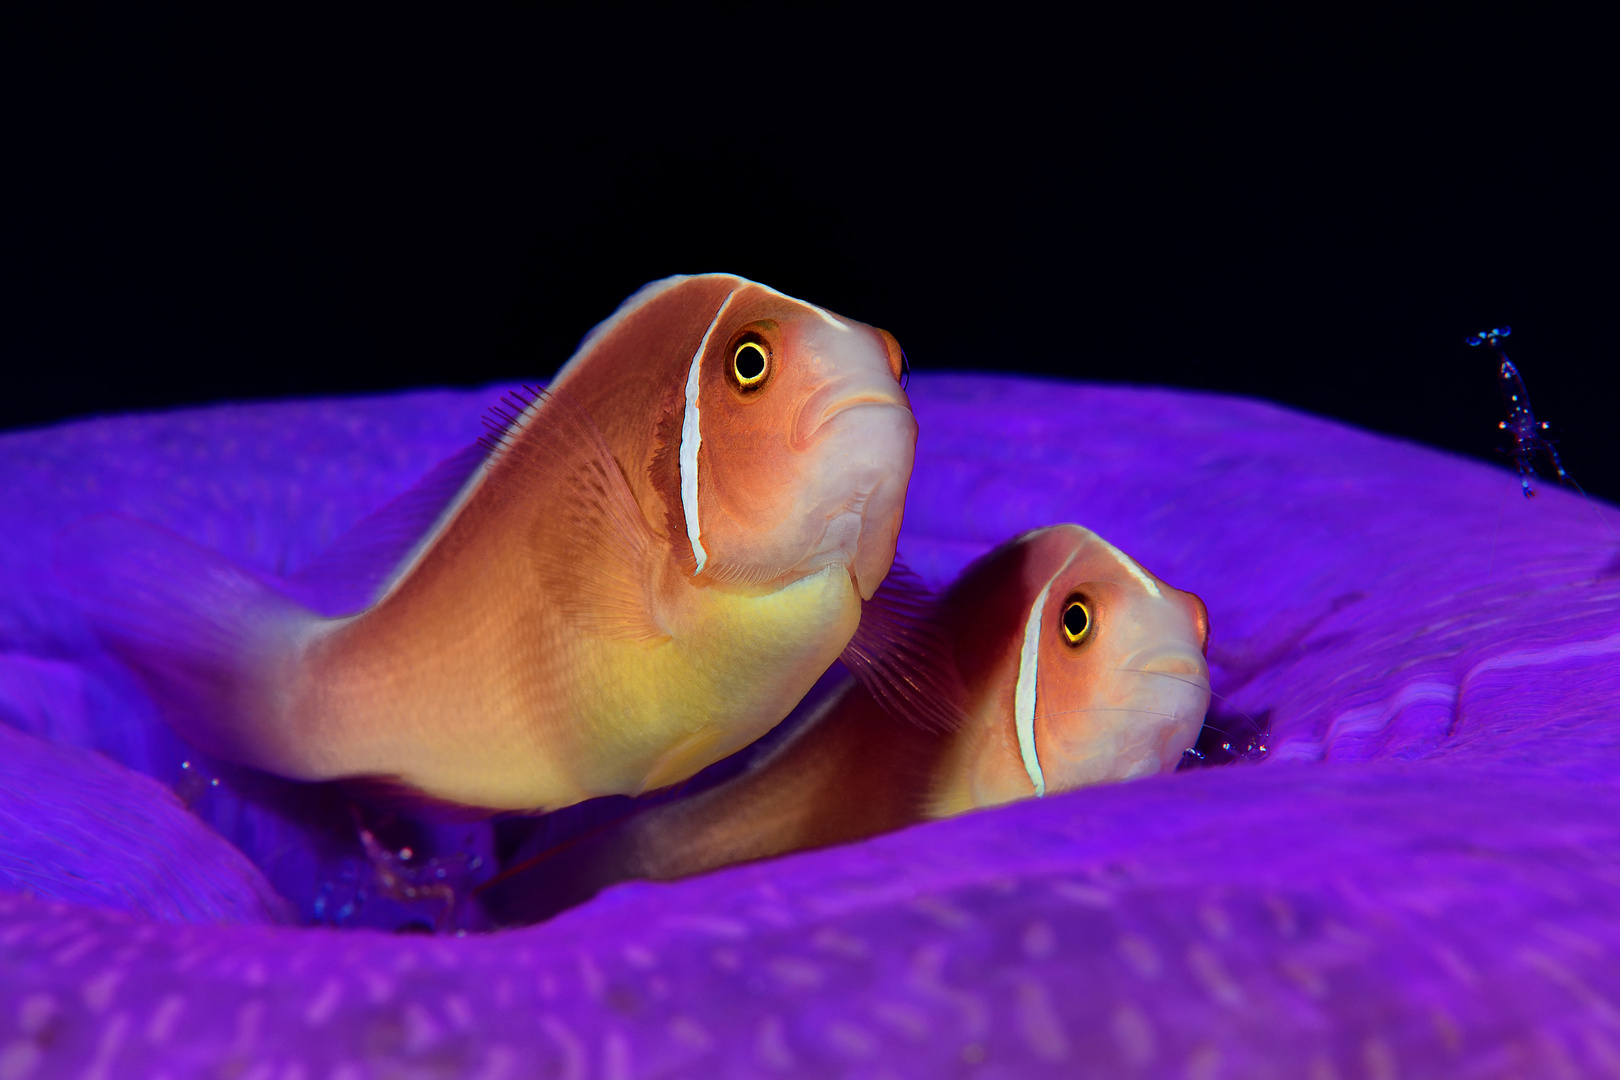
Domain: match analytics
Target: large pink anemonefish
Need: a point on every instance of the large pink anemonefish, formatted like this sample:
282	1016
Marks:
646	569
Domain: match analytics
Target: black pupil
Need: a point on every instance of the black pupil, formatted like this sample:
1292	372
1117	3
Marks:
750	362
1074	620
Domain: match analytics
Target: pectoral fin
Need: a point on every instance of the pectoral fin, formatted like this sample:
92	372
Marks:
902	656
593	549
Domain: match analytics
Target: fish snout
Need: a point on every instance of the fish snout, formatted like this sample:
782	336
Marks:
1173	696
1178	662
1200	618
815	419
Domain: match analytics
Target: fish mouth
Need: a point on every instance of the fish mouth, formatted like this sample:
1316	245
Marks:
1139	723
1176	693
1171	682
839	398
1177	663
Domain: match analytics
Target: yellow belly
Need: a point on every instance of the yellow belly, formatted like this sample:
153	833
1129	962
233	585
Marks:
509	707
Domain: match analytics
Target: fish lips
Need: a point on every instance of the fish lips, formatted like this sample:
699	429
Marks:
843	395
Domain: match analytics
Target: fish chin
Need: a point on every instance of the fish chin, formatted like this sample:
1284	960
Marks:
874	551
1134	744
1141	730
863	464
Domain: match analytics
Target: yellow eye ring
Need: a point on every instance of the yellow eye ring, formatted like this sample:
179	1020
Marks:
750	364
1076	621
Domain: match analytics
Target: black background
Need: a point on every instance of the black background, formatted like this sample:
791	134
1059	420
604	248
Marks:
204	205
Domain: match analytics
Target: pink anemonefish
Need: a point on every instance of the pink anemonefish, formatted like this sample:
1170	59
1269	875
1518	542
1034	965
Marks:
645	570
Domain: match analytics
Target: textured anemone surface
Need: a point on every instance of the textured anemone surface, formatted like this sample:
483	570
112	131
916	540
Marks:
1419	876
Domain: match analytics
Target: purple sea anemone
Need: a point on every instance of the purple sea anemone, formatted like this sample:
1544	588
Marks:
1418	876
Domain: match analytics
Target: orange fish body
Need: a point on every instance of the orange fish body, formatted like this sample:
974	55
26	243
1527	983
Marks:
652	566
1046	704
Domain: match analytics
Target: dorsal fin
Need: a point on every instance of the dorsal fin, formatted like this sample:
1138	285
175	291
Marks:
501	420
902	655
365	562
369	560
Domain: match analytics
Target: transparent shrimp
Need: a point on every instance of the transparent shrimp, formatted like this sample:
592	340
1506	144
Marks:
441	883
1521	424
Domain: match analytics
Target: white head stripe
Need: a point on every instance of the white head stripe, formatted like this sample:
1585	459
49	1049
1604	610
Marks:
691	439
1029	656
830	317
1132	568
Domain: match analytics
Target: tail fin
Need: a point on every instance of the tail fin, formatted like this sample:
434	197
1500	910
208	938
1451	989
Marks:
212	641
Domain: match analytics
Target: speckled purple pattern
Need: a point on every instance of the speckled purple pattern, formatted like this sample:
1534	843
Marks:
1422	879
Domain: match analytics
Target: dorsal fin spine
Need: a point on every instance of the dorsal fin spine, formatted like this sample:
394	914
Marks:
505	420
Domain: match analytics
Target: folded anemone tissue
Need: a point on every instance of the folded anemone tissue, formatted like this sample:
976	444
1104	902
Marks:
1405	862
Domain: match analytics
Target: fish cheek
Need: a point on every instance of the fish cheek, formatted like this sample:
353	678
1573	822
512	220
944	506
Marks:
749	475
1077	722
1071	716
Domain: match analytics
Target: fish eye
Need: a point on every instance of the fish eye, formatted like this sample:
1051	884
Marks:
1076	621
750	363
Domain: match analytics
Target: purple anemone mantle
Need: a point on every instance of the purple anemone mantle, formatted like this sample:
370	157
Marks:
1420	878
